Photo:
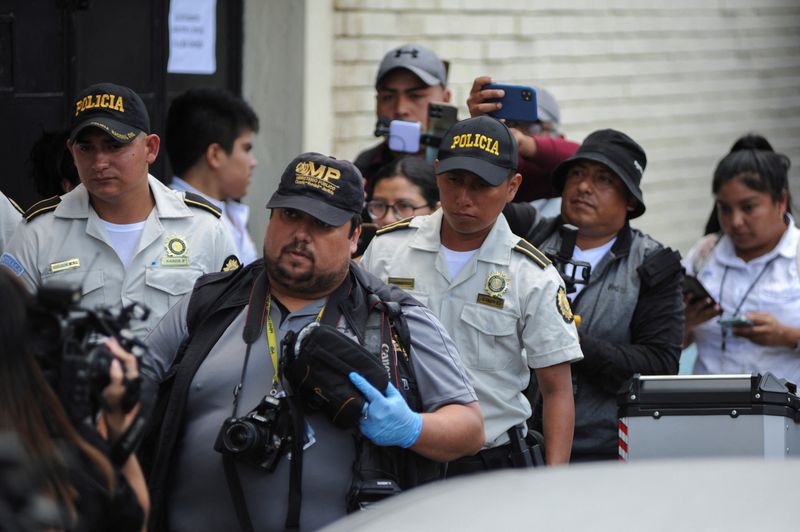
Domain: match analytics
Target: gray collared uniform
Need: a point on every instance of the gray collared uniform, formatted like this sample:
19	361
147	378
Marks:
498	336
10	217
198	497
70	244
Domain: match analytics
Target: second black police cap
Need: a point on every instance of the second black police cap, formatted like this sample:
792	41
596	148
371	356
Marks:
620	153
481	145
329	189
114	109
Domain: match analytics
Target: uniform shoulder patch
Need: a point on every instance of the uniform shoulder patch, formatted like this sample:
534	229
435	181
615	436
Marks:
530	251
564	308
41	207
405	223
15	205
199	202
231	263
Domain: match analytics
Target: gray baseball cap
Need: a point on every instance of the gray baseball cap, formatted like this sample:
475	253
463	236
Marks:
421	61
549	110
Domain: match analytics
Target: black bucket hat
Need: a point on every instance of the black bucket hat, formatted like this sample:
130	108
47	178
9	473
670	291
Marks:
623	155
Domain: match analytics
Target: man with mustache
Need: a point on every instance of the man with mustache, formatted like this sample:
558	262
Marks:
497	295
121	234
630	310
306	277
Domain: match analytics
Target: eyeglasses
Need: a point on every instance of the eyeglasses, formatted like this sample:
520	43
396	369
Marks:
401	209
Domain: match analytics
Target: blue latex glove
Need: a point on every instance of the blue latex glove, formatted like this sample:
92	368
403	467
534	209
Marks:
387	420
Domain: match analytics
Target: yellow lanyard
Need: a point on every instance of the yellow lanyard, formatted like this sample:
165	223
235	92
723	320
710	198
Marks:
272	343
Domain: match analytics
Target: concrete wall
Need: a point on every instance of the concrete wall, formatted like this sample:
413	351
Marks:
684	78
288	63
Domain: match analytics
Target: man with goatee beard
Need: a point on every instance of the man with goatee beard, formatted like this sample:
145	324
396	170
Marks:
221	354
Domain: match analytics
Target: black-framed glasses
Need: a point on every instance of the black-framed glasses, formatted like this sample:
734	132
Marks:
401	209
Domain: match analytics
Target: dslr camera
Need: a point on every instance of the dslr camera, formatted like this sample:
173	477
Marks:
70	346
259	438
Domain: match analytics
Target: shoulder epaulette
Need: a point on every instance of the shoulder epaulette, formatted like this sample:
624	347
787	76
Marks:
196	200
15	205
41	207
530	251
399	224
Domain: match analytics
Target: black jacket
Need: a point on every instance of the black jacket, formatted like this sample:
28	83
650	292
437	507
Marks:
631	322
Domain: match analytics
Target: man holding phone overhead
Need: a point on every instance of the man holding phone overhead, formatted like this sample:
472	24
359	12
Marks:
542	146
409	78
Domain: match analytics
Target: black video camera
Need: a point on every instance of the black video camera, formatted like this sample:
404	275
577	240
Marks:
259	438
69	342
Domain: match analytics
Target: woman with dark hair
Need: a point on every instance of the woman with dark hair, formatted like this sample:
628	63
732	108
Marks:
751	272
77	475
749	141
402	188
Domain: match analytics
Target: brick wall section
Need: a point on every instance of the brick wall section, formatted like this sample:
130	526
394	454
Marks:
684	78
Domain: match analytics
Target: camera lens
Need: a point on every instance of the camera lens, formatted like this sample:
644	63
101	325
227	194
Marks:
241	437
526	95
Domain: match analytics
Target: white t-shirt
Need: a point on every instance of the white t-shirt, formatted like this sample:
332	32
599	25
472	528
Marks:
125	238
592	256
456	260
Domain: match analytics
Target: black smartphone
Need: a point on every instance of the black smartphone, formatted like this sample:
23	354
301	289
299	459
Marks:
519	103
696	289
441	117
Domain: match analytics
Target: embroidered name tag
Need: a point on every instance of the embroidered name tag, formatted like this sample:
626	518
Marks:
489	301
69	264
407	283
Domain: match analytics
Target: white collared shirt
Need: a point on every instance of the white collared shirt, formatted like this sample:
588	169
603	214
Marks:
777	292
235	216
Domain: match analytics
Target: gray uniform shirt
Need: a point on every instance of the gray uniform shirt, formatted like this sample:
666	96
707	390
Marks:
198	494
70	244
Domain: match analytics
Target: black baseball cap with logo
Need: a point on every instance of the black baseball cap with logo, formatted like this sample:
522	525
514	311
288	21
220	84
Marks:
329	189
115	109
481	145
620	153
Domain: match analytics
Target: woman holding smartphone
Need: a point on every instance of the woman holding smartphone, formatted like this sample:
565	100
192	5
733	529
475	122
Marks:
751	321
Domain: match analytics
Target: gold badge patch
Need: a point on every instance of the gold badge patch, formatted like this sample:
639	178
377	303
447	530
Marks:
564	308
231	263
496	284
176	246
176	252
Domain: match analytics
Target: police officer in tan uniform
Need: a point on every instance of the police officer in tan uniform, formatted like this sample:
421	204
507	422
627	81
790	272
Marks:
121	234
498	296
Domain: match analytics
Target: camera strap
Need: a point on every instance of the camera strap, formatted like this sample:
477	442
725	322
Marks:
252	329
